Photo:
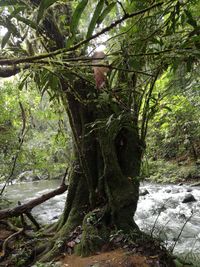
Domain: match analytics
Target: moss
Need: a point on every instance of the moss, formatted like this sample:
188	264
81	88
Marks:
94	234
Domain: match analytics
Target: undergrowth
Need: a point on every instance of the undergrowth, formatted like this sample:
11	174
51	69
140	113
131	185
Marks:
161	171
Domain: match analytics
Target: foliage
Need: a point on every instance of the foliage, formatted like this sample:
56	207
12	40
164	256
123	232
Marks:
46	148
174	132
162	171
51	43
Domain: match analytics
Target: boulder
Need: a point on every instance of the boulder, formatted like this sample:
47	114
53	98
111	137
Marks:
189	198
28	176
189	190
168	191
144	192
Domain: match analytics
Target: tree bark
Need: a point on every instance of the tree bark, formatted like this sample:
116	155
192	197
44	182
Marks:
103	180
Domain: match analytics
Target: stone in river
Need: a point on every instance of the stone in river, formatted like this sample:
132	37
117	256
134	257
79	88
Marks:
189	198
144	192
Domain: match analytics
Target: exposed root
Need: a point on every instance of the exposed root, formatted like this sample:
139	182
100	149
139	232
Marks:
7	240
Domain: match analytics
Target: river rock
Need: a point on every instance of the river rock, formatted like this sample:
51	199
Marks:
189	190
144	192
189	198
168	191
28	176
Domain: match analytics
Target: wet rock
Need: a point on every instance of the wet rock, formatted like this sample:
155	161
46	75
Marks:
189	189
180	184
189	198
144	192
168	191
28	176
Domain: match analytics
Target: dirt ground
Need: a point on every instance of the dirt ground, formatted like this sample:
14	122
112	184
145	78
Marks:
115	258
112	258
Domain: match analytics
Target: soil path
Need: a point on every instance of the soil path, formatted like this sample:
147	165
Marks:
115	258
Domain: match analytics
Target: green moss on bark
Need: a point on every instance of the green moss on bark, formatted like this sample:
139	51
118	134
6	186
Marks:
94	234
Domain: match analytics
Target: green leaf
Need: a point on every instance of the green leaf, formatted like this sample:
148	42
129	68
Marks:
105	12
190	19
26	21
75	20
167	108
5	39
43	6
76	15
12	28
94	19
23	82
17	11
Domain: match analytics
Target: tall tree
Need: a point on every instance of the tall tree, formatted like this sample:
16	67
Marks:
47	41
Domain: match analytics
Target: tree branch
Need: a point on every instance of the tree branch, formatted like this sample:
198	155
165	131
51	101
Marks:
26	208
31	59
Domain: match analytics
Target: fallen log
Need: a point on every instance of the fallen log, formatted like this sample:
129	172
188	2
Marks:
27	207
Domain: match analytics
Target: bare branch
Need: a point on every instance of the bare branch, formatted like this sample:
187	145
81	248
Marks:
27	207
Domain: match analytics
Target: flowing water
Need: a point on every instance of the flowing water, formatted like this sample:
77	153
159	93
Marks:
161	212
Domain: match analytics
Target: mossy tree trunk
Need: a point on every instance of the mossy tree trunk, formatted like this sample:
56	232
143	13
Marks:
103	178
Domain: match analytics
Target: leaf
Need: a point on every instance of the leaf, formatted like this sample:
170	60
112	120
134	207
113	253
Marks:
190	20
76	15
94	19
12	28
75	20
26	21
5	39
167	108
23	82
109	121
43	6
105	12
17	11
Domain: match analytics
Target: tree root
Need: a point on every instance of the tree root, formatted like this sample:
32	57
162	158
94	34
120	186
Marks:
6	241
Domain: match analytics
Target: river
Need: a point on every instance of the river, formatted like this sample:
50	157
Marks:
160	212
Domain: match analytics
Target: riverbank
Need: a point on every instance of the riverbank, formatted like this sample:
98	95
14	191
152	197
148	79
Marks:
139	250
164	172
160	213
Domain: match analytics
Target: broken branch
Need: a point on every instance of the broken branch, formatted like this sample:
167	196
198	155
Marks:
27	207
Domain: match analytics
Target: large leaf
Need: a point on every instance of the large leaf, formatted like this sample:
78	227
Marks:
105	12
94	19
43	6
75	20
76	15
5	39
